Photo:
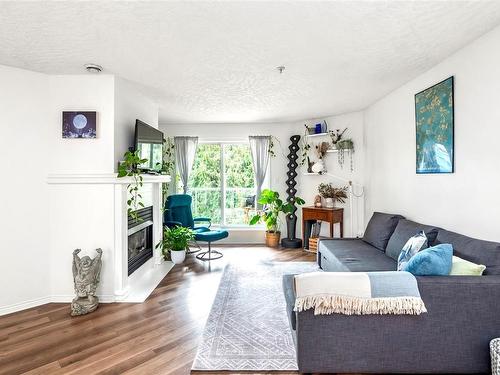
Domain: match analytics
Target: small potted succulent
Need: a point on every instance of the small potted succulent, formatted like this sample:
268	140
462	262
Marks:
175	241
332	194
270	215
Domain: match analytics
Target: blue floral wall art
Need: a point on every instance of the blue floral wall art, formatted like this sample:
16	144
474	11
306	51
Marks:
434	127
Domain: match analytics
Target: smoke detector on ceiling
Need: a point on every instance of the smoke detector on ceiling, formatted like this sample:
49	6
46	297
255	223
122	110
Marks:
93	68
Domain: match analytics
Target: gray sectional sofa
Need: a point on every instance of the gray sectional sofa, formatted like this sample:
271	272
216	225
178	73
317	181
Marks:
453	337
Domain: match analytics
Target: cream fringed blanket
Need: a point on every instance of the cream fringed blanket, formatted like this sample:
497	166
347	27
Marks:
358	293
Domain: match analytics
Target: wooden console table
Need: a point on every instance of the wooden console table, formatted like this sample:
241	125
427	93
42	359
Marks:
312	214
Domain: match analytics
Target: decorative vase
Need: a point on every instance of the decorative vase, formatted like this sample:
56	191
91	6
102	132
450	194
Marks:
273	239
178	256
329	203
318	167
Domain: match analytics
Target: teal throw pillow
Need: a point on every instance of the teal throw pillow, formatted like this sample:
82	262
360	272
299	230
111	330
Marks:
434	261
412	246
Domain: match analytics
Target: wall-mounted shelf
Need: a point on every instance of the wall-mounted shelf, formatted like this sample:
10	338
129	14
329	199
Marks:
316	135
335	150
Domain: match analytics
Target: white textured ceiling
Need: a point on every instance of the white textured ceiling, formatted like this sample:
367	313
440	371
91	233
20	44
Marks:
215	61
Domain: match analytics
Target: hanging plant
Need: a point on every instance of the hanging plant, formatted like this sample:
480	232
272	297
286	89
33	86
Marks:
345	145
168	163
305	147
336	136
129	167
270	149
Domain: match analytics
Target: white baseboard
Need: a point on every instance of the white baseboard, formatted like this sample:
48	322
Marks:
15	307
67	298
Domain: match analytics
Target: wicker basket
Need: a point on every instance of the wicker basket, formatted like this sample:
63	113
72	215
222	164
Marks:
313	244
495	356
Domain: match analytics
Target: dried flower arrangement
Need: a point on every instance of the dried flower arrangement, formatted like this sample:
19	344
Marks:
329	191
321	149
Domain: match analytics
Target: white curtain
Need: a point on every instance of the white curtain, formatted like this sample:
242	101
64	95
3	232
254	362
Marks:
185	151
259	147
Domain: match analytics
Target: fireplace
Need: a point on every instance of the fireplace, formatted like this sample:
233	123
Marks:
140	239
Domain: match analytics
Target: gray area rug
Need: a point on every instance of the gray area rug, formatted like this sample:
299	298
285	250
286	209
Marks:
247	329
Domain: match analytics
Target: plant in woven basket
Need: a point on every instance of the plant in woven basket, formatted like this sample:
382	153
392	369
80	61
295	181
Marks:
330	191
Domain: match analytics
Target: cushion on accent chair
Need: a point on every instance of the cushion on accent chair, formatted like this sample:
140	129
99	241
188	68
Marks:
404	230
434	261
463	267
380	228
473	250
412	246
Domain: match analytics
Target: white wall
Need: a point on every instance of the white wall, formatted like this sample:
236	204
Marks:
130	104
83	215
82	93
306	185
468	200
24	129
44	223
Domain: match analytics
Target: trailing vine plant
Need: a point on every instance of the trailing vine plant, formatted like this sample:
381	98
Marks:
336	136
129	167
345	145
272	145
305	146
168	164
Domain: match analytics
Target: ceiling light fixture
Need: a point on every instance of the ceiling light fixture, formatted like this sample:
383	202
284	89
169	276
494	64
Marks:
93	68
281	68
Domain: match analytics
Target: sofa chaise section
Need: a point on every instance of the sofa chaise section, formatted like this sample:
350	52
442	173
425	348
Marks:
453	337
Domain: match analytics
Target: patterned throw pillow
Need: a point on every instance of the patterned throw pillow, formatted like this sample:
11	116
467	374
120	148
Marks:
412	246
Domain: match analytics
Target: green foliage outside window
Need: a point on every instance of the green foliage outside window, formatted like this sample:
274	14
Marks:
205	182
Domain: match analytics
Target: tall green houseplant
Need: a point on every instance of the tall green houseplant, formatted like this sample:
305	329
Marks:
270	215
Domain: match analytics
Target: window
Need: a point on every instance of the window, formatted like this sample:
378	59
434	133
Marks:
222	183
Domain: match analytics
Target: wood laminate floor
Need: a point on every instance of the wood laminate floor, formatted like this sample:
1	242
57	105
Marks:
159	336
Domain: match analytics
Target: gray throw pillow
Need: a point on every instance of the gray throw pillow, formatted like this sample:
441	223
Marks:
380	228
404	230
412	246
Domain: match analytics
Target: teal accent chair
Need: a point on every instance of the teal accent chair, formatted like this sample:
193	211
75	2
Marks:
178	213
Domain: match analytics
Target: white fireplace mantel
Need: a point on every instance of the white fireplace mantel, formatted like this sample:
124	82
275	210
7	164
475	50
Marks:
103	178
102	198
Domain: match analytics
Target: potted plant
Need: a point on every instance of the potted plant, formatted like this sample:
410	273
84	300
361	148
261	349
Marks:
175	240
336	136
332	194
270	215
345	145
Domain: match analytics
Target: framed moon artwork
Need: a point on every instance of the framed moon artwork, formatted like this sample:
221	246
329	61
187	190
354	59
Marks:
79	125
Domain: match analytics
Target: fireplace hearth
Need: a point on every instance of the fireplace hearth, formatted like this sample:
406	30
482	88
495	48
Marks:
140	239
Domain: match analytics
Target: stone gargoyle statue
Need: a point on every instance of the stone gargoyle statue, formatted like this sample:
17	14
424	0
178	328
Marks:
86	272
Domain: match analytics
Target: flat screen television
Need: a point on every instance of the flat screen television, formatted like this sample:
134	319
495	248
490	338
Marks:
149	143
